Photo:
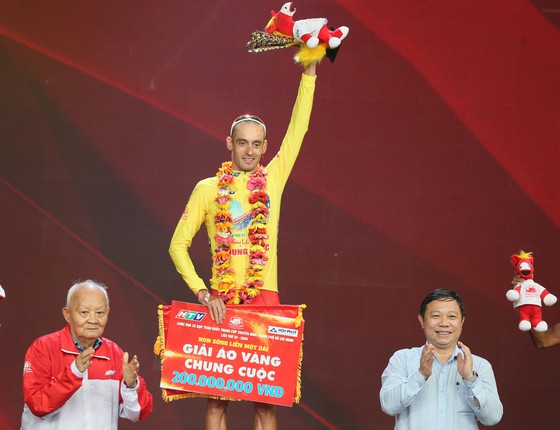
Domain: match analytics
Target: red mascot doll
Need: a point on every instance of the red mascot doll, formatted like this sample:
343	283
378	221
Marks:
527	296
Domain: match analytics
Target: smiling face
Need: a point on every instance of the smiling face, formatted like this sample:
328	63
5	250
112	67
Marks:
247	145
442	324
87	314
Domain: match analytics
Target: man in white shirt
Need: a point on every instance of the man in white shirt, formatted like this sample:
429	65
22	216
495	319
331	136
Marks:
440	385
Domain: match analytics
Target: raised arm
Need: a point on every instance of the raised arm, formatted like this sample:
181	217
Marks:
281	165
401	381
44	392
137	402
310	70
482	394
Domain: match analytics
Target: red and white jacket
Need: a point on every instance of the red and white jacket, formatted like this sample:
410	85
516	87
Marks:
58	396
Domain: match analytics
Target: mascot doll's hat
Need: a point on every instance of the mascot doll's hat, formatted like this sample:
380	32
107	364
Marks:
523	263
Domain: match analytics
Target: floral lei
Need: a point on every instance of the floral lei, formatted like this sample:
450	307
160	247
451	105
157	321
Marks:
258	197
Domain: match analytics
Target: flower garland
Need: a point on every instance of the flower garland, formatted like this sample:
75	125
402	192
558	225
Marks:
258	197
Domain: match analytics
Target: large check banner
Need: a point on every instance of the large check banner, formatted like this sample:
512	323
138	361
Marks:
255	354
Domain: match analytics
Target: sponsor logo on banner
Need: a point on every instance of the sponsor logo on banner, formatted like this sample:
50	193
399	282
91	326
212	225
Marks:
185	314
236	322
282	330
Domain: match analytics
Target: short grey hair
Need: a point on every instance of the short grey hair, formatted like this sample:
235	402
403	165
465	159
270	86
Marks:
87	283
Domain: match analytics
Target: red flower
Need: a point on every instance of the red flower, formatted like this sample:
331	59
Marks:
221	257
258	196
256	182
224	240
261	209
223	199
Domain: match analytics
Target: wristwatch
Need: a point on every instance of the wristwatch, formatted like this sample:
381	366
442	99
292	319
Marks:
472	378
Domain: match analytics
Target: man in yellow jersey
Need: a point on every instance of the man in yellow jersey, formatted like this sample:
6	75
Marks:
240	208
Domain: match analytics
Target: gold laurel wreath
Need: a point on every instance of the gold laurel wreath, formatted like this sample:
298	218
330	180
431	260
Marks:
262	41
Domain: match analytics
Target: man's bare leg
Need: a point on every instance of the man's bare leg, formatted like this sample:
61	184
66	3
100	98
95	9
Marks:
265	416
216	414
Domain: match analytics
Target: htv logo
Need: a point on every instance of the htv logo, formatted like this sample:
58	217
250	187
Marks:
185	314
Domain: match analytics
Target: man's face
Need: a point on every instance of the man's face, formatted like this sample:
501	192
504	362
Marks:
442	323
247	145
87	315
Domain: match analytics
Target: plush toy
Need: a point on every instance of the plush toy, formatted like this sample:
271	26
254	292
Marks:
312	35
527	296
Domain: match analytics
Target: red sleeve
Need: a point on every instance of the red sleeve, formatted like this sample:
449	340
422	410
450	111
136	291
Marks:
144	399
47	384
